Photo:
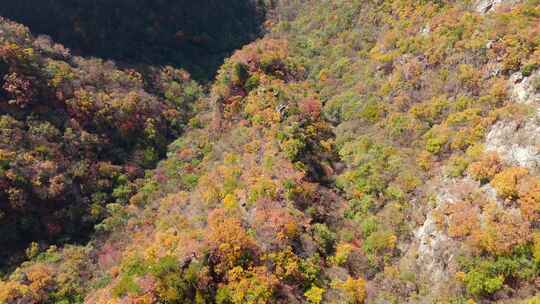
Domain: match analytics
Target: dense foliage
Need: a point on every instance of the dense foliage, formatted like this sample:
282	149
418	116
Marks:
359	152
75	134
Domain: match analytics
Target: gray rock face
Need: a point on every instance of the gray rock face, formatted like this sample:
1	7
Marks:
518	142
434	251
485	6
523	89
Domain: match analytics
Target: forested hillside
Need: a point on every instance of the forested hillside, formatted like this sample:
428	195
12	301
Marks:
362	151
75	134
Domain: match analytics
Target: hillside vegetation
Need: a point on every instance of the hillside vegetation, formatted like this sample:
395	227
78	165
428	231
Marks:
75	134
360	152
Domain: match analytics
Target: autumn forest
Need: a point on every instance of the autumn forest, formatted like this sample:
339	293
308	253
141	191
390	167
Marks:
270	151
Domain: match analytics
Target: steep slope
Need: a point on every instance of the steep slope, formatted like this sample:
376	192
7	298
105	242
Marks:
75	134
362	151
414	88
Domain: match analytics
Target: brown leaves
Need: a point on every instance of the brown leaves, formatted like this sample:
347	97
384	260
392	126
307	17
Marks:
276	226
486	168
501	231
20	89
529	198
463	219
506	182
310	107
229	242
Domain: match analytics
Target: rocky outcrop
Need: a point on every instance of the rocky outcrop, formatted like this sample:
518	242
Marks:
485	6
433	252
518	142
523	88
